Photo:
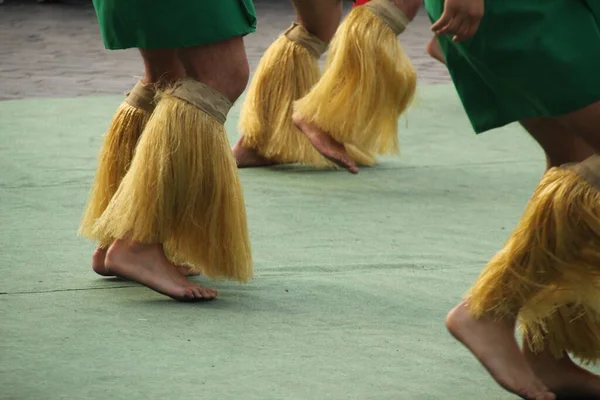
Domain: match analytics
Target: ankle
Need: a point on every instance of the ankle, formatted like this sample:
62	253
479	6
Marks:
121	246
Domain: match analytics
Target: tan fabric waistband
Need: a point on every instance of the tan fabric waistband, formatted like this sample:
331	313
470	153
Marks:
390	14
588	169
203	97
297	33
141	96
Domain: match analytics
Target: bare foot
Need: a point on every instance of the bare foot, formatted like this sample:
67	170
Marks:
329	148
98	262
100	255
493	343
148	265
249	158
563	377
435	51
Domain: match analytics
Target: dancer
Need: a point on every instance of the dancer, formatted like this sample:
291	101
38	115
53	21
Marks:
289	71
167	195
547	275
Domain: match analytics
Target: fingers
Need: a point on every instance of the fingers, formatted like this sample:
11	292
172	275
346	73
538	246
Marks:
461	31
460	28
466	31
453	25
462	23
472	30
442	23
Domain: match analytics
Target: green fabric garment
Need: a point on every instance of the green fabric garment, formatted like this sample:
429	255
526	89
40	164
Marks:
157	24
529	58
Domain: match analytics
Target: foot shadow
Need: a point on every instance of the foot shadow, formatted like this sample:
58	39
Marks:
573	395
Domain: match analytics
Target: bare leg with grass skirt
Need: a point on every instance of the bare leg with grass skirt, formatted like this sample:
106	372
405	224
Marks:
161	68
531	374
286	72
367	84
546	278
178	200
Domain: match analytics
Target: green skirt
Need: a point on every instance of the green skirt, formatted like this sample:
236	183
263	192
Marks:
529	58
160	24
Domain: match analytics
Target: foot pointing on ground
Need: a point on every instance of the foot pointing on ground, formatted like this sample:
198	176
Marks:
493	343
329	148
148	265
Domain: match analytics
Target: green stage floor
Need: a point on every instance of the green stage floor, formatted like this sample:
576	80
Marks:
354	274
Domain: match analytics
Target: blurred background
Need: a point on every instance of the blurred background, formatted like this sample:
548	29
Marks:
54	49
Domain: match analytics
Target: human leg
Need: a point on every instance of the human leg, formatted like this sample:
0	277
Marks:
547	259
559	143
121	139
584	123
554	366
319	18
286	72
147	264
181	201
492	341
367	84
161	68
548	264
573	328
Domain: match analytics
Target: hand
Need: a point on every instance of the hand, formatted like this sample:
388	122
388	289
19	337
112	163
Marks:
460	18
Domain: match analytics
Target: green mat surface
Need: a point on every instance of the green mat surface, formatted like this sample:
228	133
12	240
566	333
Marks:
354	274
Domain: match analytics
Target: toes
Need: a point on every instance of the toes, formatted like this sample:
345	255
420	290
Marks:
351	166
342	161
101	270
98	264
188	294
347	163
207	294
544	392
198	295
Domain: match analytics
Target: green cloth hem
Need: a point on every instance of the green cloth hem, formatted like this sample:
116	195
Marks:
169	45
